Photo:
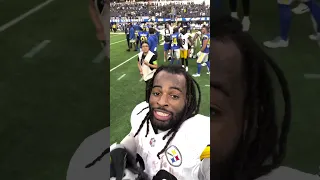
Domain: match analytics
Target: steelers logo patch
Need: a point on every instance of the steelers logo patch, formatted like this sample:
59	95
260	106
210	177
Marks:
174	156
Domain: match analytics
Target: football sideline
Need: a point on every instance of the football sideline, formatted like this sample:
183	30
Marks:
128	90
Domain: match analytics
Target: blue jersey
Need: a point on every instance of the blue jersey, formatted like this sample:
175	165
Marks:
143	36
153	42
132	33
206	37
137	28
174	41
157	32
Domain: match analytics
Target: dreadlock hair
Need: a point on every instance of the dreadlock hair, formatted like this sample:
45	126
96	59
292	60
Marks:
191	107
262	145
106	151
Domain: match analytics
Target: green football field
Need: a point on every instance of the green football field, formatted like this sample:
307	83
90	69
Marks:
300	58
53	98
127	91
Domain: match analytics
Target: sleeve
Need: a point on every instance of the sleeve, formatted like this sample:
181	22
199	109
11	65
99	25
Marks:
200	148
137	115
153	60
205	37
150	42
204	170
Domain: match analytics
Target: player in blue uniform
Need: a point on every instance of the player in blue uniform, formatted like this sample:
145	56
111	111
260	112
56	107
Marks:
142	36
167	42
153	41
157	33
132	37
203	55
285	22
176	44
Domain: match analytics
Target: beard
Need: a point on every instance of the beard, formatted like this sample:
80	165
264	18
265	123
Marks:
165	125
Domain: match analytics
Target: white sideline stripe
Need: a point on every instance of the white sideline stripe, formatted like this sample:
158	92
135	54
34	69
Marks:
114	35
312	76
23	16
207	85
123	63
121	77
36	49
99	58
117	42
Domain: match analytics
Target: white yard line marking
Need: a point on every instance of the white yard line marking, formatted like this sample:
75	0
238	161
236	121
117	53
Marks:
207	85
100	57
36	49
123	63
121	77
114	35
23	16
312	76
118	33
117	42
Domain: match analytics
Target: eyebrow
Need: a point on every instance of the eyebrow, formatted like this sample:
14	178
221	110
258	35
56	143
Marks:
219	86
172	87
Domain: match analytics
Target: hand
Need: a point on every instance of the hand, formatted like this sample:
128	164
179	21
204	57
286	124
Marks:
199	53
123	165
146	63
118	160
141	73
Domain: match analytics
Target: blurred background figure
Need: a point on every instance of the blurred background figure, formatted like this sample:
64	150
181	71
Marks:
99	13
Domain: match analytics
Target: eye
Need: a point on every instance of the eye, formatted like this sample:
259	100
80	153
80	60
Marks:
155	93
175	97
214	112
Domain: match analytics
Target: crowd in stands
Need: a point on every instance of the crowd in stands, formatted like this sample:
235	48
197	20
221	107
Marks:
156	10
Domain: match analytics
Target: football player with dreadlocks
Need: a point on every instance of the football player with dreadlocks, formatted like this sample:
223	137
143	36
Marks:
161	129
248	142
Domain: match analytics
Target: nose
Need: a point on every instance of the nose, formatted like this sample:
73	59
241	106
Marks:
163	101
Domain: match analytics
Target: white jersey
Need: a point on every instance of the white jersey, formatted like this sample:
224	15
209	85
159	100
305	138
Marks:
185	41
171	29
198	33
182	156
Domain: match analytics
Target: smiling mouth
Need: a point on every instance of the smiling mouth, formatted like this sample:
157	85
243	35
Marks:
161	115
